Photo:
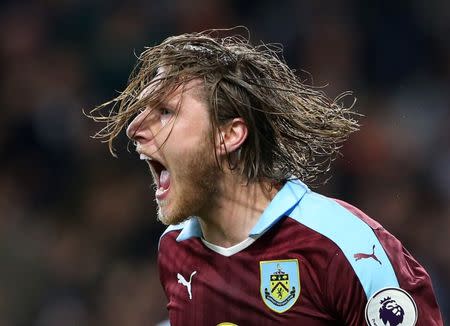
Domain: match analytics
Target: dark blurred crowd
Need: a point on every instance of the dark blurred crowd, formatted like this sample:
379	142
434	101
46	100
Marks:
78	232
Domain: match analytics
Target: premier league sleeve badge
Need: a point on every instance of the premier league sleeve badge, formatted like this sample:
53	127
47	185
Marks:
391	306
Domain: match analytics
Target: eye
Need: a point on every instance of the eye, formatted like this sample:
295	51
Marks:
165	111
165	115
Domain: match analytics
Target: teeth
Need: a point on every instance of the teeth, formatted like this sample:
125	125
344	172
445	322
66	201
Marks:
144	157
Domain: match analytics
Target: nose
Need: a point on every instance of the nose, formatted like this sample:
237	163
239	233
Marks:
137	130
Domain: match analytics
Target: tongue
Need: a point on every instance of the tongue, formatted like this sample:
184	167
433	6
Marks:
164	179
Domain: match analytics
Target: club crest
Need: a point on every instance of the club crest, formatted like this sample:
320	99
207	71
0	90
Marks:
280	283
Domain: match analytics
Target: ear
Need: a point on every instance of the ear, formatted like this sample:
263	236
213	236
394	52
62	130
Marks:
231	136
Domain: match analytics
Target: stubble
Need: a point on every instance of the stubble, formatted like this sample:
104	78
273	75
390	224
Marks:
195	186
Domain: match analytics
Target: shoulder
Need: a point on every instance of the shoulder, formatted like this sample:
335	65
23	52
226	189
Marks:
377	259
353	233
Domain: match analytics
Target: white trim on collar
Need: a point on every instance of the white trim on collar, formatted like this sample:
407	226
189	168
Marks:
227	252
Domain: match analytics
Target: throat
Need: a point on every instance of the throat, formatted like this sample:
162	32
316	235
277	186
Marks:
236	215
228	233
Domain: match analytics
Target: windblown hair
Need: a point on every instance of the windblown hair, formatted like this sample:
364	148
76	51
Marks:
294	130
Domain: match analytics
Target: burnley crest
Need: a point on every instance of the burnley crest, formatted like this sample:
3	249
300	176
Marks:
280	283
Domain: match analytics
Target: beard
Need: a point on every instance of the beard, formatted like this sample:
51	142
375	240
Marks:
193	185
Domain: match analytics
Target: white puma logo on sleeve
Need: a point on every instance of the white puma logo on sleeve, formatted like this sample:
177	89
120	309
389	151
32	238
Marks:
187	284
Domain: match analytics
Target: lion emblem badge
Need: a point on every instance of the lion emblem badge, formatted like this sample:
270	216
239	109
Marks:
391	312
280	283
391	307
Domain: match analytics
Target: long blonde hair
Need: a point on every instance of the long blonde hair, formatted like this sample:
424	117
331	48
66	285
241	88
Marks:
294	129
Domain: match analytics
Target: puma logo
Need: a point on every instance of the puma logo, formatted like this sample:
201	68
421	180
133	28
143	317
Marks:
187	284
365	256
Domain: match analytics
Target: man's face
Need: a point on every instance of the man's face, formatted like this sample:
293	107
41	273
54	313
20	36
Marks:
174	139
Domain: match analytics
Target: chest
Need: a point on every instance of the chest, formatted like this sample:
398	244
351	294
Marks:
257	286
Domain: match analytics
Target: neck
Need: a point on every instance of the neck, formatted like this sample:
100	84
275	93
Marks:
236	209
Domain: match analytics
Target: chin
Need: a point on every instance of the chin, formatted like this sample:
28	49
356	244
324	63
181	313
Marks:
168	218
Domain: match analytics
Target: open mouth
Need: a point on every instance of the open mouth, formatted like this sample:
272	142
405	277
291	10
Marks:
160	174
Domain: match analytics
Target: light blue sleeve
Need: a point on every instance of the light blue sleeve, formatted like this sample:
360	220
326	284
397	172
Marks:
351	235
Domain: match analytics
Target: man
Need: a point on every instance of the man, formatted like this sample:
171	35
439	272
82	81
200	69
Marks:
228	132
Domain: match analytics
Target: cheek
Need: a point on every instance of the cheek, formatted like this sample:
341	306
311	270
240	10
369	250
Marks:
187	138
162	134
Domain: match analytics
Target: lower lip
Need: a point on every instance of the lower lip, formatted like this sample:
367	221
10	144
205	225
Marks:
162	194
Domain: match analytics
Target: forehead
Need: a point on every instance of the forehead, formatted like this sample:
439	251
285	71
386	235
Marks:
155	84
156	88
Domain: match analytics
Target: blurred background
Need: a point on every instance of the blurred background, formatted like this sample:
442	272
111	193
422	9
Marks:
78	232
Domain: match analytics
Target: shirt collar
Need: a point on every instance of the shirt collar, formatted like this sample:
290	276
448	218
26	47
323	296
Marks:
283	202
191	229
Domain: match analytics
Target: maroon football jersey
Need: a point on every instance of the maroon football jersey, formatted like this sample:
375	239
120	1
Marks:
309	260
